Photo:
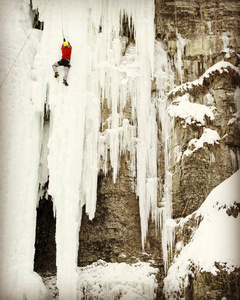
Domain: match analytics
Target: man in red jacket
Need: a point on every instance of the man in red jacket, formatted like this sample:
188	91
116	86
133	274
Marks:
65	61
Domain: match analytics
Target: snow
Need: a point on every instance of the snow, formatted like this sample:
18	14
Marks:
217	239
102	280
221	66
106	281
210	99
209	137
190	112
194	113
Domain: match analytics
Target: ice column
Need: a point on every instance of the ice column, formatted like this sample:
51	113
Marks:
180	50
164	83
147	133
167	225
66	140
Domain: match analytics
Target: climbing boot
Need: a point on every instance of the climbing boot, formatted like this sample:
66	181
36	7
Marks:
56	75
65	82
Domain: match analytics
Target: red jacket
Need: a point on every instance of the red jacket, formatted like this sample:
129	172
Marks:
66	52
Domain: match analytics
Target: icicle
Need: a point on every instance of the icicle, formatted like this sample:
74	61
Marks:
167	232
180	49
112	80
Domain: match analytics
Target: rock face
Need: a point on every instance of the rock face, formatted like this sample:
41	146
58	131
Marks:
45	246
114	234
214	286
207	32
202	29
196	174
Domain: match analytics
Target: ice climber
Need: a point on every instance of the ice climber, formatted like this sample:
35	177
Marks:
65	61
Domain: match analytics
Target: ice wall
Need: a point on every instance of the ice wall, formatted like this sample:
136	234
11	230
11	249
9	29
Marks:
19	157
107	69
68	129
115	74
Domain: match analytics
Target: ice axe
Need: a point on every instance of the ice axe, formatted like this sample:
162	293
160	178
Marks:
64	36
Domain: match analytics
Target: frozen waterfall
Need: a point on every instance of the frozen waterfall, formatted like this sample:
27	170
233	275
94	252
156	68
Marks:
107	68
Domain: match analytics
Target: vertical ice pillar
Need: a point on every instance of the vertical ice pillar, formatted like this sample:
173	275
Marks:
65	160
90	159
66	150
147	134
90	166
180	50
166	230
165	81
19	184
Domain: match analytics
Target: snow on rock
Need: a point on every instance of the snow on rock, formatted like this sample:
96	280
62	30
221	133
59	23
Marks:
221	67
217	239
190	112
108	281
209	137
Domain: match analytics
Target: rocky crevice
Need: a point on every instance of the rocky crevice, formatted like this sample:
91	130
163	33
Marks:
45	245
34	15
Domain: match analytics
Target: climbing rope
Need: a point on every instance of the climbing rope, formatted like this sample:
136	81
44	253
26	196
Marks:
62	21
62	18
22	47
